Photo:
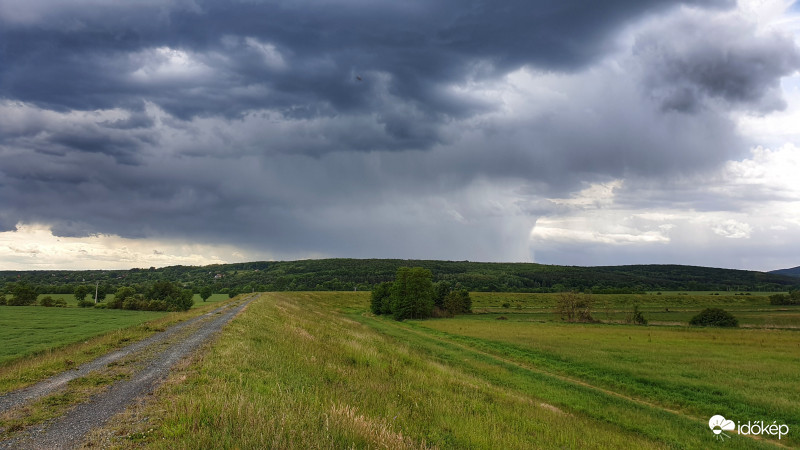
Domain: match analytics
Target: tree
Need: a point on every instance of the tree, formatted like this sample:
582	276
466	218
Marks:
206	292
24	294
458	302
81	292
172	297
412	293
574	307
442	288
122	294
380	298
102	292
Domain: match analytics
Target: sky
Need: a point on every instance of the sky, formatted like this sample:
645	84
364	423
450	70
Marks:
573	132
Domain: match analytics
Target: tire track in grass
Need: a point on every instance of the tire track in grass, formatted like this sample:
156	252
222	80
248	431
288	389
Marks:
69	430
424	333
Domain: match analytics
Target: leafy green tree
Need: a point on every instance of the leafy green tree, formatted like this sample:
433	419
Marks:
206	292
81	292
174	298
102	292
380	298
442	288
121	295
24	294
458	302
412	293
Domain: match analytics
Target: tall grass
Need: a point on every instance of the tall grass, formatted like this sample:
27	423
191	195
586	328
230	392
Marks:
301	370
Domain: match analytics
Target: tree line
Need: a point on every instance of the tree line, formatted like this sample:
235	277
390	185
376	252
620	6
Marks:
158	296
413	295
365	274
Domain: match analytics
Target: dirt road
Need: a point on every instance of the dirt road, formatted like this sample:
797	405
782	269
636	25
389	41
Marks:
161	351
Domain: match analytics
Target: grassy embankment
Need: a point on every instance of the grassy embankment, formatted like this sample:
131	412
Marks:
39	342
300	369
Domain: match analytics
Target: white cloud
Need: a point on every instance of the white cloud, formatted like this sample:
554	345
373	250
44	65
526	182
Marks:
34	247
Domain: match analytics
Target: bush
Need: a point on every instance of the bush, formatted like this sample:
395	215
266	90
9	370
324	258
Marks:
636	317
47	302
86	303
134	303
60	303
792	298
2	300
714	317
574	307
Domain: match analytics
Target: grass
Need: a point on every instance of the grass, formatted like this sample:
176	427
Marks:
41	342
27	330
315	369
668	309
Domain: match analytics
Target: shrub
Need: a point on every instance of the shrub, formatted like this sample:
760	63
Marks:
86	303
574	307
60	303
714	317
2	300
792	298
47	302
636	316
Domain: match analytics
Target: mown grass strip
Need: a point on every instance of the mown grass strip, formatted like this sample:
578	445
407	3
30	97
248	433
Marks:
701	398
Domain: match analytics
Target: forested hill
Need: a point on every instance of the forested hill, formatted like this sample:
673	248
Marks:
362	274
793	272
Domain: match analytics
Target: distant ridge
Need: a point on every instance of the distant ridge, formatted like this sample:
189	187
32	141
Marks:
793	272
362	274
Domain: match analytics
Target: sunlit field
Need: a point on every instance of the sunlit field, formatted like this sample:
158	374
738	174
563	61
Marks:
317	369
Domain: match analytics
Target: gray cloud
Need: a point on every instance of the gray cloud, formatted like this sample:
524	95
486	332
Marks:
245	122
693	57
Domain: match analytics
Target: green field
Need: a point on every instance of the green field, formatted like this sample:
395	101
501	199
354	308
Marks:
667	309
27	330
300	369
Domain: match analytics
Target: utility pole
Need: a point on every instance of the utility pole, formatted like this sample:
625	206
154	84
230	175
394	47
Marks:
96	287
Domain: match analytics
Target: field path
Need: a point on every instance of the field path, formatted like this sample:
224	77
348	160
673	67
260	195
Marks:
422	331
69	430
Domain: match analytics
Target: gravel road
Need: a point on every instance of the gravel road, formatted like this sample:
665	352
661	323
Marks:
69	430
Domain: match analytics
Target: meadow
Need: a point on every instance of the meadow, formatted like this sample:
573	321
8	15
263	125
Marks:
316	368
27	330
39	342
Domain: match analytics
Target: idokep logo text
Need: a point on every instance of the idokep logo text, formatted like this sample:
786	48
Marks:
719	425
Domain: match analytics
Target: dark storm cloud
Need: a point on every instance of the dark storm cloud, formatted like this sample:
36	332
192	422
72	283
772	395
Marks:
247	123
86	58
